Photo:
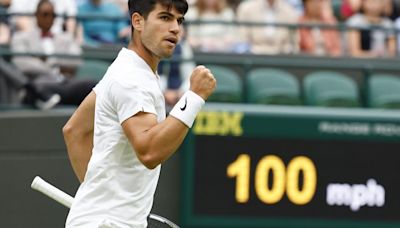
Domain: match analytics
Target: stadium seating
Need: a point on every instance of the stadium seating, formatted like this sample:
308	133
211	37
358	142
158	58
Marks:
230	86
330	89
272	86
384	91
92	69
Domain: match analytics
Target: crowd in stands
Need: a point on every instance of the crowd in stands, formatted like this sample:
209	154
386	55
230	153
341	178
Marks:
270	38
310	27
44	79
226	25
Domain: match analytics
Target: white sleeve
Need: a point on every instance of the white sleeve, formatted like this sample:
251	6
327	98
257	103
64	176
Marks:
128	100
97	87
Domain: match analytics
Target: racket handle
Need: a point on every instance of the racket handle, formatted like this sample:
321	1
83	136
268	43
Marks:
56	194
49	190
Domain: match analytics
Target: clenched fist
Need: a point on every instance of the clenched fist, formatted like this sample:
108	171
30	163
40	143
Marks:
202	82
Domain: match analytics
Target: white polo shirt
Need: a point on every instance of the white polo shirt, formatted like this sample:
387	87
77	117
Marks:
118	189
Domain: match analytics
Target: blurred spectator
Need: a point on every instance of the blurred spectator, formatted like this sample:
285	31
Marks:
268	39
397	26
66	9
396	10
5	30
297	5
25	90
103	31
387	8
122	4
41	39
370	42
391	9
349	8
126	32
233	4
211	37
50	73
319	41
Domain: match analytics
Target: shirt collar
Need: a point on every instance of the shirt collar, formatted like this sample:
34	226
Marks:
138	61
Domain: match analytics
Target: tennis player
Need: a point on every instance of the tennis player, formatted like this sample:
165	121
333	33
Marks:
118	137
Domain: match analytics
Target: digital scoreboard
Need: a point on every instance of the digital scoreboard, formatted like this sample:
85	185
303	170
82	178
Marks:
292	168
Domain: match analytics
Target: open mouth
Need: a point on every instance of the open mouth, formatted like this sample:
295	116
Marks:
172	40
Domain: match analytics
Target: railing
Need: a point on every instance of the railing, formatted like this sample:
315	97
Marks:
247	61
339	26
342	28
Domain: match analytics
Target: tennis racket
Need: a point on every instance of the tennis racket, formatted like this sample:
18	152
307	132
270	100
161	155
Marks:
154	221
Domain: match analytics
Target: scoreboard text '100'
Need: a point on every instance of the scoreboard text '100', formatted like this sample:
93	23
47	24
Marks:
284	179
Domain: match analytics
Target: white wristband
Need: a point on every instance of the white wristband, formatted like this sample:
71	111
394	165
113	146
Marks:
187	108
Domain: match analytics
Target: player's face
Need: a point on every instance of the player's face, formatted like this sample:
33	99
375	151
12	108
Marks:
162	31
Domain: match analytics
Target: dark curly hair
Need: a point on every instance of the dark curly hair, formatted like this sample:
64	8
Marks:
144	7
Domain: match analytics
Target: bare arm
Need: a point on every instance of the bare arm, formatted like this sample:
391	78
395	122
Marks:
78	135
155	142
